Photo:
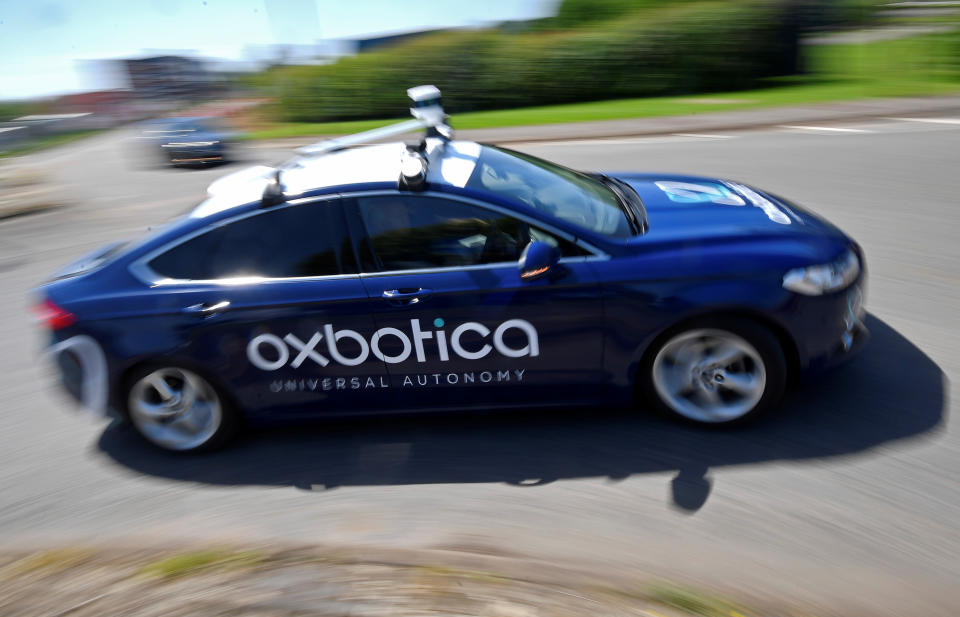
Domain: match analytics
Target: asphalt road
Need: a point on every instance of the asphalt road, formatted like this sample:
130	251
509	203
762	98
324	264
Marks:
847	500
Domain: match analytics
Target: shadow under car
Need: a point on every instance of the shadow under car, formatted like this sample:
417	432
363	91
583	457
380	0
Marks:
891	391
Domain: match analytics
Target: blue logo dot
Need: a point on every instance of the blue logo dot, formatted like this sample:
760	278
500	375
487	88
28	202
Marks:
438	322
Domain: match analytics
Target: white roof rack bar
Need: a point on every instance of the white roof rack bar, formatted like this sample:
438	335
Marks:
427	114
361	138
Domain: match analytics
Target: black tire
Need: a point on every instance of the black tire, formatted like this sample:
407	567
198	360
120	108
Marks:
158	430
661	379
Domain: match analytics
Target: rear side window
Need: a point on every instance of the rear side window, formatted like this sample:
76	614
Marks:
294	241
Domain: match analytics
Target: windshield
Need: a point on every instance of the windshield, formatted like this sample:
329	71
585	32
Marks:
181	126
558	191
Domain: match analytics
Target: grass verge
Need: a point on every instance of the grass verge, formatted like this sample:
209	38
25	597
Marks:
266	582
48	141
695	602
915	66
183	564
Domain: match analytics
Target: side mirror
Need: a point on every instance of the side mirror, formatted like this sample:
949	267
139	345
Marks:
537	260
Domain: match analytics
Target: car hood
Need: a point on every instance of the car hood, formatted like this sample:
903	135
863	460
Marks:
681	207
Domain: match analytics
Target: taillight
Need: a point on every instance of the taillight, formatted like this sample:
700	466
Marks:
52	316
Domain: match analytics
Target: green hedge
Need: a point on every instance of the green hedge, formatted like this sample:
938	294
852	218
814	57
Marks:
684	47
576	13
14	109
844	13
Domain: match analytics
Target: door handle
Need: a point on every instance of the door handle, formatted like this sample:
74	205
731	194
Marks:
405	296
207	308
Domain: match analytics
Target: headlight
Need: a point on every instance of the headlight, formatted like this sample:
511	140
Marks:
824	278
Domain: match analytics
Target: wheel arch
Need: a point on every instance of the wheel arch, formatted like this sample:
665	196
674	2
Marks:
124	376
787	343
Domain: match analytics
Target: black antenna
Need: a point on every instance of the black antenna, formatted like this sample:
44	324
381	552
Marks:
273	193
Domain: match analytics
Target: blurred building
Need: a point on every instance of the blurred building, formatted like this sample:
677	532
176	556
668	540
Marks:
171	78
105	108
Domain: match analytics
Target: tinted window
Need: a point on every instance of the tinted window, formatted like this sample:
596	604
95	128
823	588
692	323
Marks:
307	240
409	232
566	194
189	260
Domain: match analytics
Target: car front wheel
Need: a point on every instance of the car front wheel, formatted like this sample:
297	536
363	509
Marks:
717	371
177	409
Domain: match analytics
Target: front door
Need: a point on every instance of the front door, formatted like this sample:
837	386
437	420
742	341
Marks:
456	325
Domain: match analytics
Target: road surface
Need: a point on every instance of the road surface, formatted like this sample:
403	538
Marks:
848	499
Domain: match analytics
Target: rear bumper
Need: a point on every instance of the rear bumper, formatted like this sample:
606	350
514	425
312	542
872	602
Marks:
81	367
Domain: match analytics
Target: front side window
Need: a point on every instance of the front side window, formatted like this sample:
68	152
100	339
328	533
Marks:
566	194
294	241
411	232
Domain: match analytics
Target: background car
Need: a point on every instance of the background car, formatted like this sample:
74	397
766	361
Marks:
187	141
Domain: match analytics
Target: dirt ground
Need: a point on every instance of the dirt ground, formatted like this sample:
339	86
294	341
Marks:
257	583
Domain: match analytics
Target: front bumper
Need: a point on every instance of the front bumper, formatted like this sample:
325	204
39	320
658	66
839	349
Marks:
833	328
195	156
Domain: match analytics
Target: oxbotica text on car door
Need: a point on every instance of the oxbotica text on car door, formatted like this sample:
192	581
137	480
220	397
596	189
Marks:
270	353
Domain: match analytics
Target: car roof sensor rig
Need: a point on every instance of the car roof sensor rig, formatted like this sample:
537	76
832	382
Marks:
427	113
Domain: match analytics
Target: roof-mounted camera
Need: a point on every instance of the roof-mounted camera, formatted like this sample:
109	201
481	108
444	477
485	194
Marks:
273	192
427	108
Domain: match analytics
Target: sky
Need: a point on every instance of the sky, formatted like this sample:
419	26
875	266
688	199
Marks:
47	46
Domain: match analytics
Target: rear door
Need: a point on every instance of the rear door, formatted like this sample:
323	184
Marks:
456	325
271	304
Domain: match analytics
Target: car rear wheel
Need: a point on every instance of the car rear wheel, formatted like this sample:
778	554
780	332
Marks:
719	371
177	409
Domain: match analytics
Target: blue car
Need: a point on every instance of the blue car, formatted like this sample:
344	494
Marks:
451	275
186	141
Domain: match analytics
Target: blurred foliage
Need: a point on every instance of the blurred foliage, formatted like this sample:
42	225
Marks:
892	68
47	141
14	109
695	602
953	53
920	65
575	13
655	48
813	13
188	563
842	13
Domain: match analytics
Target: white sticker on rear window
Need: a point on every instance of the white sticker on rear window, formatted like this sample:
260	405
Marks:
697	193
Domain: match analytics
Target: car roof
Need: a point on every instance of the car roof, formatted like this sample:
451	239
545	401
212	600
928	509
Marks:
450	162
